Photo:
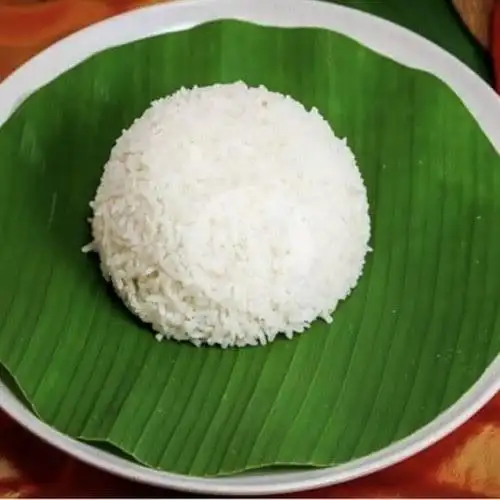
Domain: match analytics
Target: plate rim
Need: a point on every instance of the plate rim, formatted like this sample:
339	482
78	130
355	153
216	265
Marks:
382	36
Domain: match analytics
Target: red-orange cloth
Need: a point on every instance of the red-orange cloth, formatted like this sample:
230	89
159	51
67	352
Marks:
466	464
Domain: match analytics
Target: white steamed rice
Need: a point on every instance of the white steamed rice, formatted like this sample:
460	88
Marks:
229	214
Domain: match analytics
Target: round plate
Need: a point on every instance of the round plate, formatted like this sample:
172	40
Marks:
381	36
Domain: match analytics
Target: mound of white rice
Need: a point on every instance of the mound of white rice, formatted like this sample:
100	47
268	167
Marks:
228	214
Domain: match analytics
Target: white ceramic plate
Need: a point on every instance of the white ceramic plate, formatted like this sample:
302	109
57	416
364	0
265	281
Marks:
383	37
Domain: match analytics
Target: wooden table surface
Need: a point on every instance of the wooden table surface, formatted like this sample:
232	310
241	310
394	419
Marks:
477	16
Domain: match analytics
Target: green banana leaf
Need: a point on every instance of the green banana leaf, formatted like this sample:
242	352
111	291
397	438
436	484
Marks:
436	20
417	332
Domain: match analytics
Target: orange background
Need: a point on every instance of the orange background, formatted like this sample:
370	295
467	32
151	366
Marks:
465	464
